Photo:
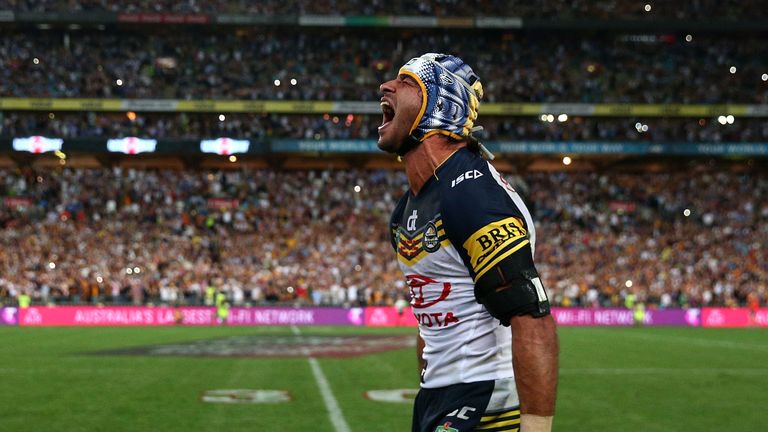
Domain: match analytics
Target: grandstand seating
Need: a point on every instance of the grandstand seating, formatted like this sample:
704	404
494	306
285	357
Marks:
677	233
556	9
308	237
348	64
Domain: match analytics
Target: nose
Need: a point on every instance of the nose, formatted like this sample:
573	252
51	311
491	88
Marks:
387	87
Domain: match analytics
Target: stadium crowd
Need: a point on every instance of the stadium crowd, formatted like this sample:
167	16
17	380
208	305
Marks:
616	9
351	126
334	65
119	236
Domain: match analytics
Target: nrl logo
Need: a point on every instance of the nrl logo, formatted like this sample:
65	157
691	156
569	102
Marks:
431	241
446	428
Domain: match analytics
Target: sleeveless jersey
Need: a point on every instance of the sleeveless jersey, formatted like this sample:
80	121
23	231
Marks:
464	221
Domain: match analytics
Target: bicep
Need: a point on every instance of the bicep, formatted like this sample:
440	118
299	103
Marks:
512	287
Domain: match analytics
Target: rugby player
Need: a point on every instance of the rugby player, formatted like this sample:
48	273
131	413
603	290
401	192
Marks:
465	242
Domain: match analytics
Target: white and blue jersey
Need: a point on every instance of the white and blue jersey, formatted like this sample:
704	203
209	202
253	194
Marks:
464	222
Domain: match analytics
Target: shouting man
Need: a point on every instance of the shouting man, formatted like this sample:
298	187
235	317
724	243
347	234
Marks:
465	242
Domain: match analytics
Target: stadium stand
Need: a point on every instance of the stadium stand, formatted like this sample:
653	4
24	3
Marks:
619	9
676	233
259	126
246	64
136	236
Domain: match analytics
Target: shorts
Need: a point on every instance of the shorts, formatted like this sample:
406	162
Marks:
484	406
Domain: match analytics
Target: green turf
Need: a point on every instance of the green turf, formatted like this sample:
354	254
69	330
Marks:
625	379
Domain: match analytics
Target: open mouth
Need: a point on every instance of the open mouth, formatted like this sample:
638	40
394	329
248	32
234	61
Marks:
388	113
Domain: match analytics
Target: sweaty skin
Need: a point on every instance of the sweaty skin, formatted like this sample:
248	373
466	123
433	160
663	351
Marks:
421	162
535	360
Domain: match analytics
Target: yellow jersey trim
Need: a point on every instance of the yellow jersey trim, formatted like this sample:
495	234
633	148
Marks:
499	424
495	236
501	257
415	260
500	416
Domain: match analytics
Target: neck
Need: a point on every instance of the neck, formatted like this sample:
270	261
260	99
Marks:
422	161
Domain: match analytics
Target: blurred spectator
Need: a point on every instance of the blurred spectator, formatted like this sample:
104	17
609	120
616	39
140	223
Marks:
673	239
694	238
552	9
349	64
138	236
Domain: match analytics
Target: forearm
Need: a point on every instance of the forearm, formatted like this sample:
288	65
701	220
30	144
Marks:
420	355
535	360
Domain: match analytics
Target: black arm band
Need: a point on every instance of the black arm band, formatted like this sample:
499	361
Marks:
508	291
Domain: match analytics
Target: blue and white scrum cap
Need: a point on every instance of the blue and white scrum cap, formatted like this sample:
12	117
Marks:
451	94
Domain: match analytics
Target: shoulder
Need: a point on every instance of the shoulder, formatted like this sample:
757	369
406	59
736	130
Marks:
470	184
477	204
462	167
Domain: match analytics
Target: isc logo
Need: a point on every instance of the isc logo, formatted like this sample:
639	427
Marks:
466	176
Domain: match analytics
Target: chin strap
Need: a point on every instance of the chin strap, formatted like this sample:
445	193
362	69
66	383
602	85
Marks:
410	143
484	152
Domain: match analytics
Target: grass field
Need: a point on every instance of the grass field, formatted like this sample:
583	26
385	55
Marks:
619	379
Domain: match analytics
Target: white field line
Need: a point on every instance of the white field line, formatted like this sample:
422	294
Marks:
331	404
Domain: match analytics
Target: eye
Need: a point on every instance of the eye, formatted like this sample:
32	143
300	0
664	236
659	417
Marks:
407	79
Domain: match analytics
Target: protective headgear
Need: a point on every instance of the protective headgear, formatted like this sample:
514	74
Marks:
451	94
